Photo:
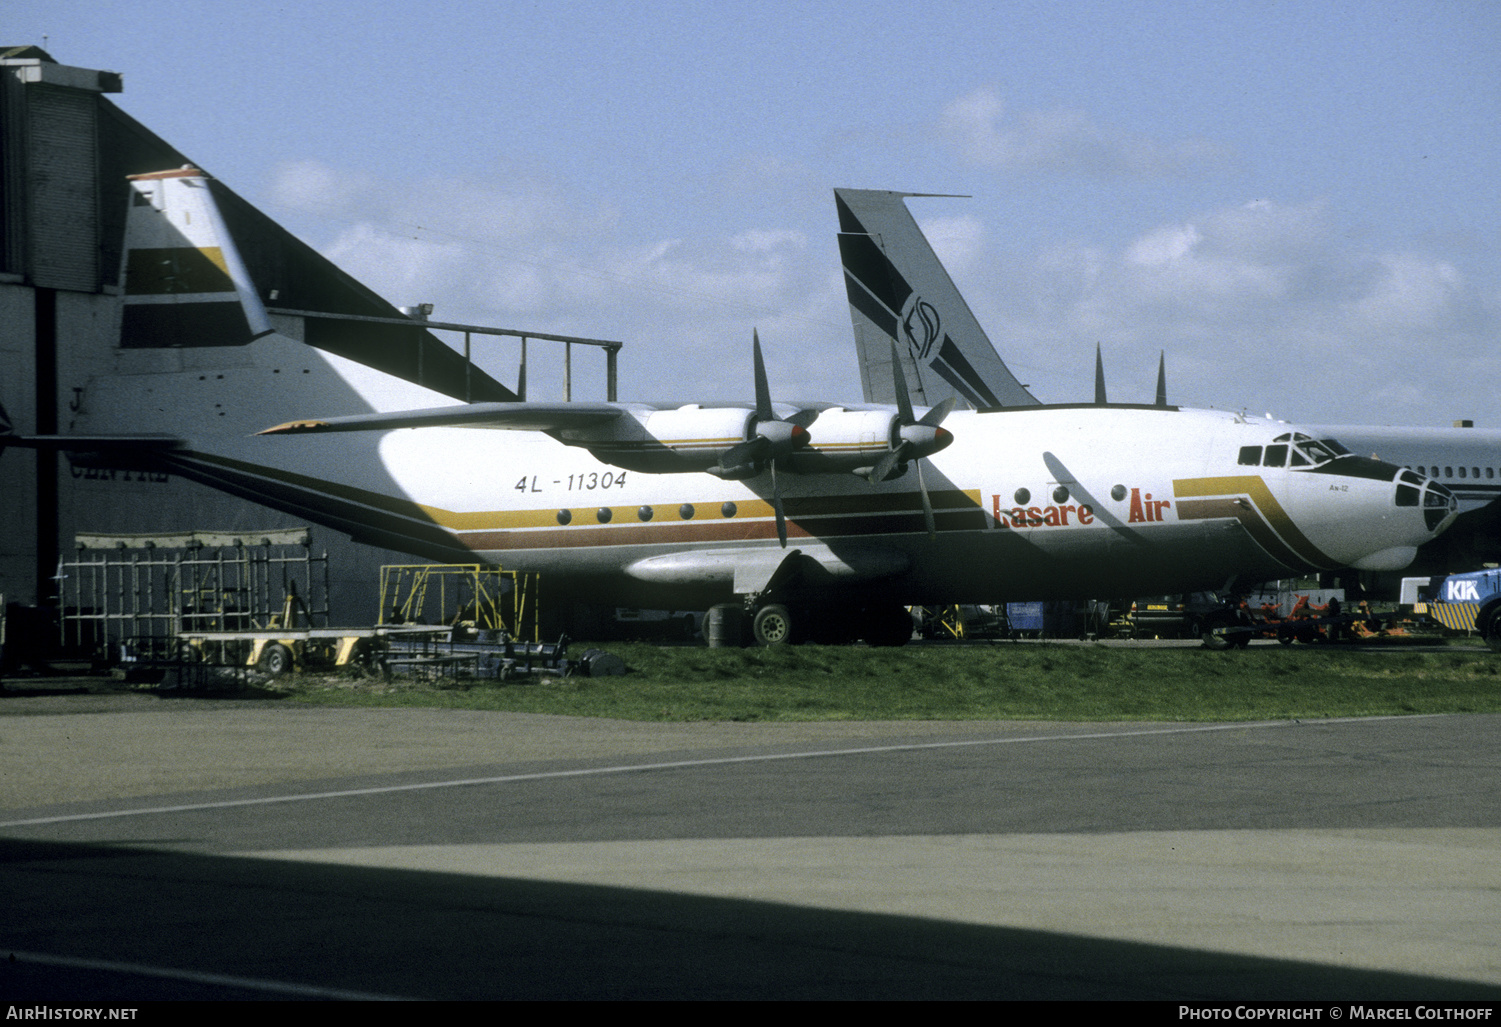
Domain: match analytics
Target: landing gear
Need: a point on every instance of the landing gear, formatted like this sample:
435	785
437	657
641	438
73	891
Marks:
772	625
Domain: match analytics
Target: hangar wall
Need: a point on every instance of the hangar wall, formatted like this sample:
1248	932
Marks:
65	152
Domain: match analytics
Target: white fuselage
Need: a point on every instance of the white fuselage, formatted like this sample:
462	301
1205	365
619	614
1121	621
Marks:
1029	503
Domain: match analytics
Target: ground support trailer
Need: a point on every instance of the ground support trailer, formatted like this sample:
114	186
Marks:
280	651
491	656
1469	602
1296	619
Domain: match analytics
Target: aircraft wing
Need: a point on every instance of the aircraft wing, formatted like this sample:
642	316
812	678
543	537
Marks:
512	416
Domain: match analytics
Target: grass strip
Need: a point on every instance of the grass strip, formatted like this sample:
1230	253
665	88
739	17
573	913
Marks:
1034	681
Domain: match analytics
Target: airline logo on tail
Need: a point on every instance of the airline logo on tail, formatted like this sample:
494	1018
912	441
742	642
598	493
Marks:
921	318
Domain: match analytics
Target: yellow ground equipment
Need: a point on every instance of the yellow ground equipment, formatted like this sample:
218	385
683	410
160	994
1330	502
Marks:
471	595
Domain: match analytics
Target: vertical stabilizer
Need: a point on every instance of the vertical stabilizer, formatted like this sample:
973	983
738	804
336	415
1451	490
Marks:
185	284
899	291
198	355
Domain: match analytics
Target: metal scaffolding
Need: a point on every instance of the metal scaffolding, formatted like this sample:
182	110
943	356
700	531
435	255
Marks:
610	346
486	598
118	587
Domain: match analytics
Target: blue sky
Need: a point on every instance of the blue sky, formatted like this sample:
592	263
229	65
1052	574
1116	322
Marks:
1296	201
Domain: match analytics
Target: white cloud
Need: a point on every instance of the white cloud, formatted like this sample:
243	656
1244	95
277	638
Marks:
526	256
312	186
768	241
1408	293
1164	246
1262	304
985	132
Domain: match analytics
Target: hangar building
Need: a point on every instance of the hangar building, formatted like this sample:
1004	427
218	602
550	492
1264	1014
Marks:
65	152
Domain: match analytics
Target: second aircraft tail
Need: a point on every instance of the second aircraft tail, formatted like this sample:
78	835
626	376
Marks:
185	284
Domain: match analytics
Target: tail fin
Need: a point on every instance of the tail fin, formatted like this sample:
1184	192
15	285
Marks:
899	291
198	355
185	284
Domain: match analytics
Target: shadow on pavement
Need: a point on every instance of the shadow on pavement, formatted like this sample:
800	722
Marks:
416	934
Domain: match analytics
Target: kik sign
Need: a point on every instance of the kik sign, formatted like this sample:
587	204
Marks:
1461	592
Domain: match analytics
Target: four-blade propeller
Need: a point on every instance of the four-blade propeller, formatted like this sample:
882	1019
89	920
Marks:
771	441
913	439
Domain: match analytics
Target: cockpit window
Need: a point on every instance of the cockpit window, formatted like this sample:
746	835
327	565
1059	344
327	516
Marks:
1307	451
1294	449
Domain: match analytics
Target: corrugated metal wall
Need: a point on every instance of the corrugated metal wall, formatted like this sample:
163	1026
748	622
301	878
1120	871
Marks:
63	189
12	175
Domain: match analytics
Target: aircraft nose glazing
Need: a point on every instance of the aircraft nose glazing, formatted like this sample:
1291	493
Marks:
1438	504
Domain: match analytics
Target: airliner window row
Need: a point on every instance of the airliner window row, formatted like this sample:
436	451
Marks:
1293	449
1463	472
604	514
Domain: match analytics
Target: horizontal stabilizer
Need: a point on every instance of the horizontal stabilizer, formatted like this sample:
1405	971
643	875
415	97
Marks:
92	443
84	443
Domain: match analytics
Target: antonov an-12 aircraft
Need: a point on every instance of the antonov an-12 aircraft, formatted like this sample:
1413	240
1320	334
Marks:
900	293
824	519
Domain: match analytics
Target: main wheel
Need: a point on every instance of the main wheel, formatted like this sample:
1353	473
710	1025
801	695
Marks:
772	625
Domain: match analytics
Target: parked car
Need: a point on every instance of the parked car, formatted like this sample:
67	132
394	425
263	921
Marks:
1175	616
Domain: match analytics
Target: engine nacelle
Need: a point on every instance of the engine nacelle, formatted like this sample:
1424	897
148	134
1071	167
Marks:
846	440
696	438
686	438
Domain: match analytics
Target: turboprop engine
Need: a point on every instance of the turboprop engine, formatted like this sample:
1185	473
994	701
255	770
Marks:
667	441
857	441
730	442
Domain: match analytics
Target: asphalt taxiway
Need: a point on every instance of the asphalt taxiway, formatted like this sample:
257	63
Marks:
209	848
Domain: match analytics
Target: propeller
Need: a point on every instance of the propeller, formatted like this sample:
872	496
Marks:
913	439
772	439
1099	377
